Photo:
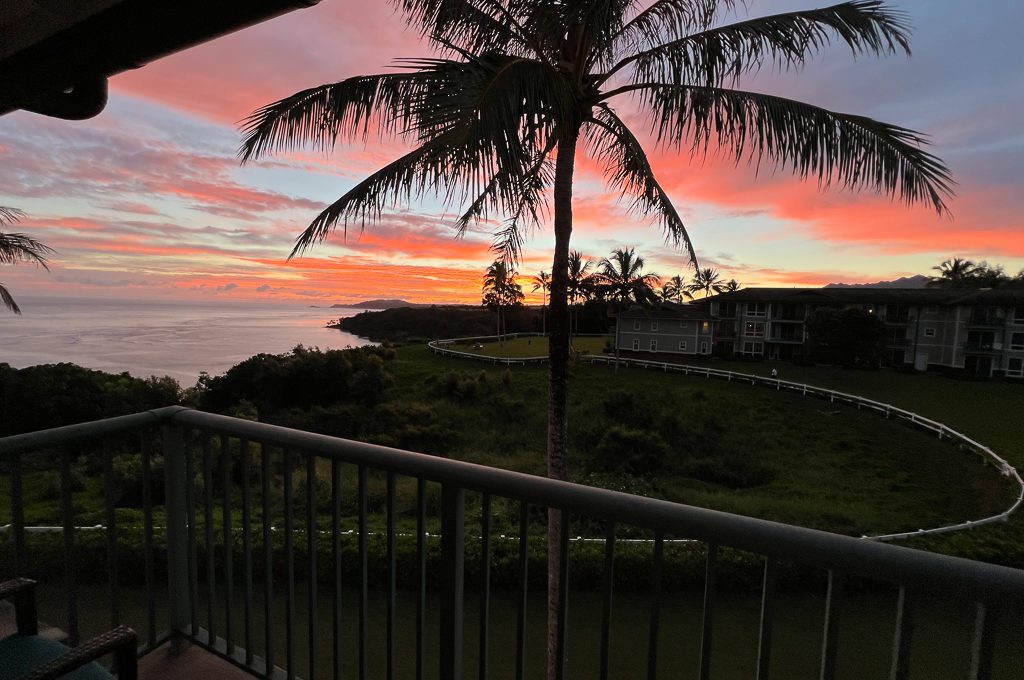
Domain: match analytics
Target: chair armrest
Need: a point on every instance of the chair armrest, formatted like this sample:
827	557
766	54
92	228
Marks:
122	641
21	592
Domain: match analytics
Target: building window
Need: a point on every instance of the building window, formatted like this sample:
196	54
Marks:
636	324
1018	316
705	327
703	348
654	345
636	345
929	332
754	330
750	347
682	345
931	309
654	325
1015	368
756	308
684	324
1017	341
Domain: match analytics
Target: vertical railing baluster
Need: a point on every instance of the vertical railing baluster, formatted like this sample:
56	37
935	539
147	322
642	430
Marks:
983	643
336	561
193	557
562	636
247	587
175	486
311	549
390	639
229	544
111	519
707	621
68	520
830	639
266	488
657	562
421	560
767	623
607	592
289	551
147	540
211	545
364	574
18	516
485	583
452	580
903	636
524	564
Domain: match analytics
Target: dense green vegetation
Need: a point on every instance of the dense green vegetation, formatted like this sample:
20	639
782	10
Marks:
709	443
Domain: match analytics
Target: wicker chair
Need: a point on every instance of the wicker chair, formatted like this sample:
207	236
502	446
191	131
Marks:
28	656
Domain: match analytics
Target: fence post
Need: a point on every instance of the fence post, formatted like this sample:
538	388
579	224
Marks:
175	481
452	580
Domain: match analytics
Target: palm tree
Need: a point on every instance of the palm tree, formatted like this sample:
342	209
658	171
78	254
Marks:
542	282
501	290
496	121
707	281
623	278
16	248
954	273
731	286
676	289
579	286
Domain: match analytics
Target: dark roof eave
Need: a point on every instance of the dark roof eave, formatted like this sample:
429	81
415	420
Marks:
65	75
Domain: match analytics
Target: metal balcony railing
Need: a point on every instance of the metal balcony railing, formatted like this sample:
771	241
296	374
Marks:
251	510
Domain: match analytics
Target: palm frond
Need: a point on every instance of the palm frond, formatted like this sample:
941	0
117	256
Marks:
10	215
16	248
319	115
666	20
717	55
8	300
853	151
627	167
469	26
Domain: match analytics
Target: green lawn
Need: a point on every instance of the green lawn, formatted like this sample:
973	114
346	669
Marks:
536	346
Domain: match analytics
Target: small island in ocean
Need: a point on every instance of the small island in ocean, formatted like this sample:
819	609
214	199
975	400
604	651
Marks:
377	304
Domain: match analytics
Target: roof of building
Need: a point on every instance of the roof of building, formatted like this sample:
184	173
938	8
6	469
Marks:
911	296
668	309
56	56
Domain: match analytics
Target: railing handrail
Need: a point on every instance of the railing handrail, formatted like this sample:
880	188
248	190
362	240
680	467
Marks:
914	568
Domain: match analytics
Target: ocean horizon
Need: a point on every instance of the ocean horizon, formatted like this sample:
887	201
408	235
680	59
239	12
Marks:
176	338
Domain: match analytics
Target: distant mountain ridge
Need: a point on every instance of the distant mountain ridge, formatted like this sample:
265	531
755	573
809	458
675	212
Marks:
915	281
377	304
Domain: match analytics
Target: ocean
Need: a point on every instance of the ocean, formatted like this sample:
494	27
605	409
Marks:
179	339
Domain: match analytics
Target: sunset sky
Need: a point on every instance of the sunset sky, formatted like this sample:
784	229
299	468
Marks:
148	199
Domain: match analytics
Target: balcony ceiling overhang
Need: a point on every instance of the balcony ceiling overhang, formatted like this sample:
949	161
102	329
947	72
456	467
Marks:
56	55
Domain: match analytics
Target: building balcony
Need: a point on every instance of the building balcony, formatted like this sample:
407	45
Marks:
898	342
986	321
784	339
267	552
986	347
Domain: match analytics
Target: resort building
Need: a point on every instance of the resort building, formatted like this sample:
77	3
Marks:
980	331
670	328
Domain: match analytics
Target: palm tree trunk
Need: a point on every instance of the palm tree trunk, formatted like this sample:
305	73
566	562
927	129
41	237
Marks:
558	397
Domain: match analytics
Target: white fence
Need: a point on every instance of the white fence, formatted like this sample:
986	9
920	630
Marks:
833	396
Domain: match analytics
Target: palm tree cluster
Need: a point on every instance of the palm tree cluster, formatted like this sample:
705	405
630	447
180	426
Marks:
959	272
501	291
15	248
519	87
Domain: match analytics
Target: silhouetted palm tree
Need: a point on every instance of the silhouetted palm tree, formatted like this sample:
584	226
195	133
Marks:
16	248
731	286
954	273
579	287
496	121
500	291
707	281
675	289
623	278
542	282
